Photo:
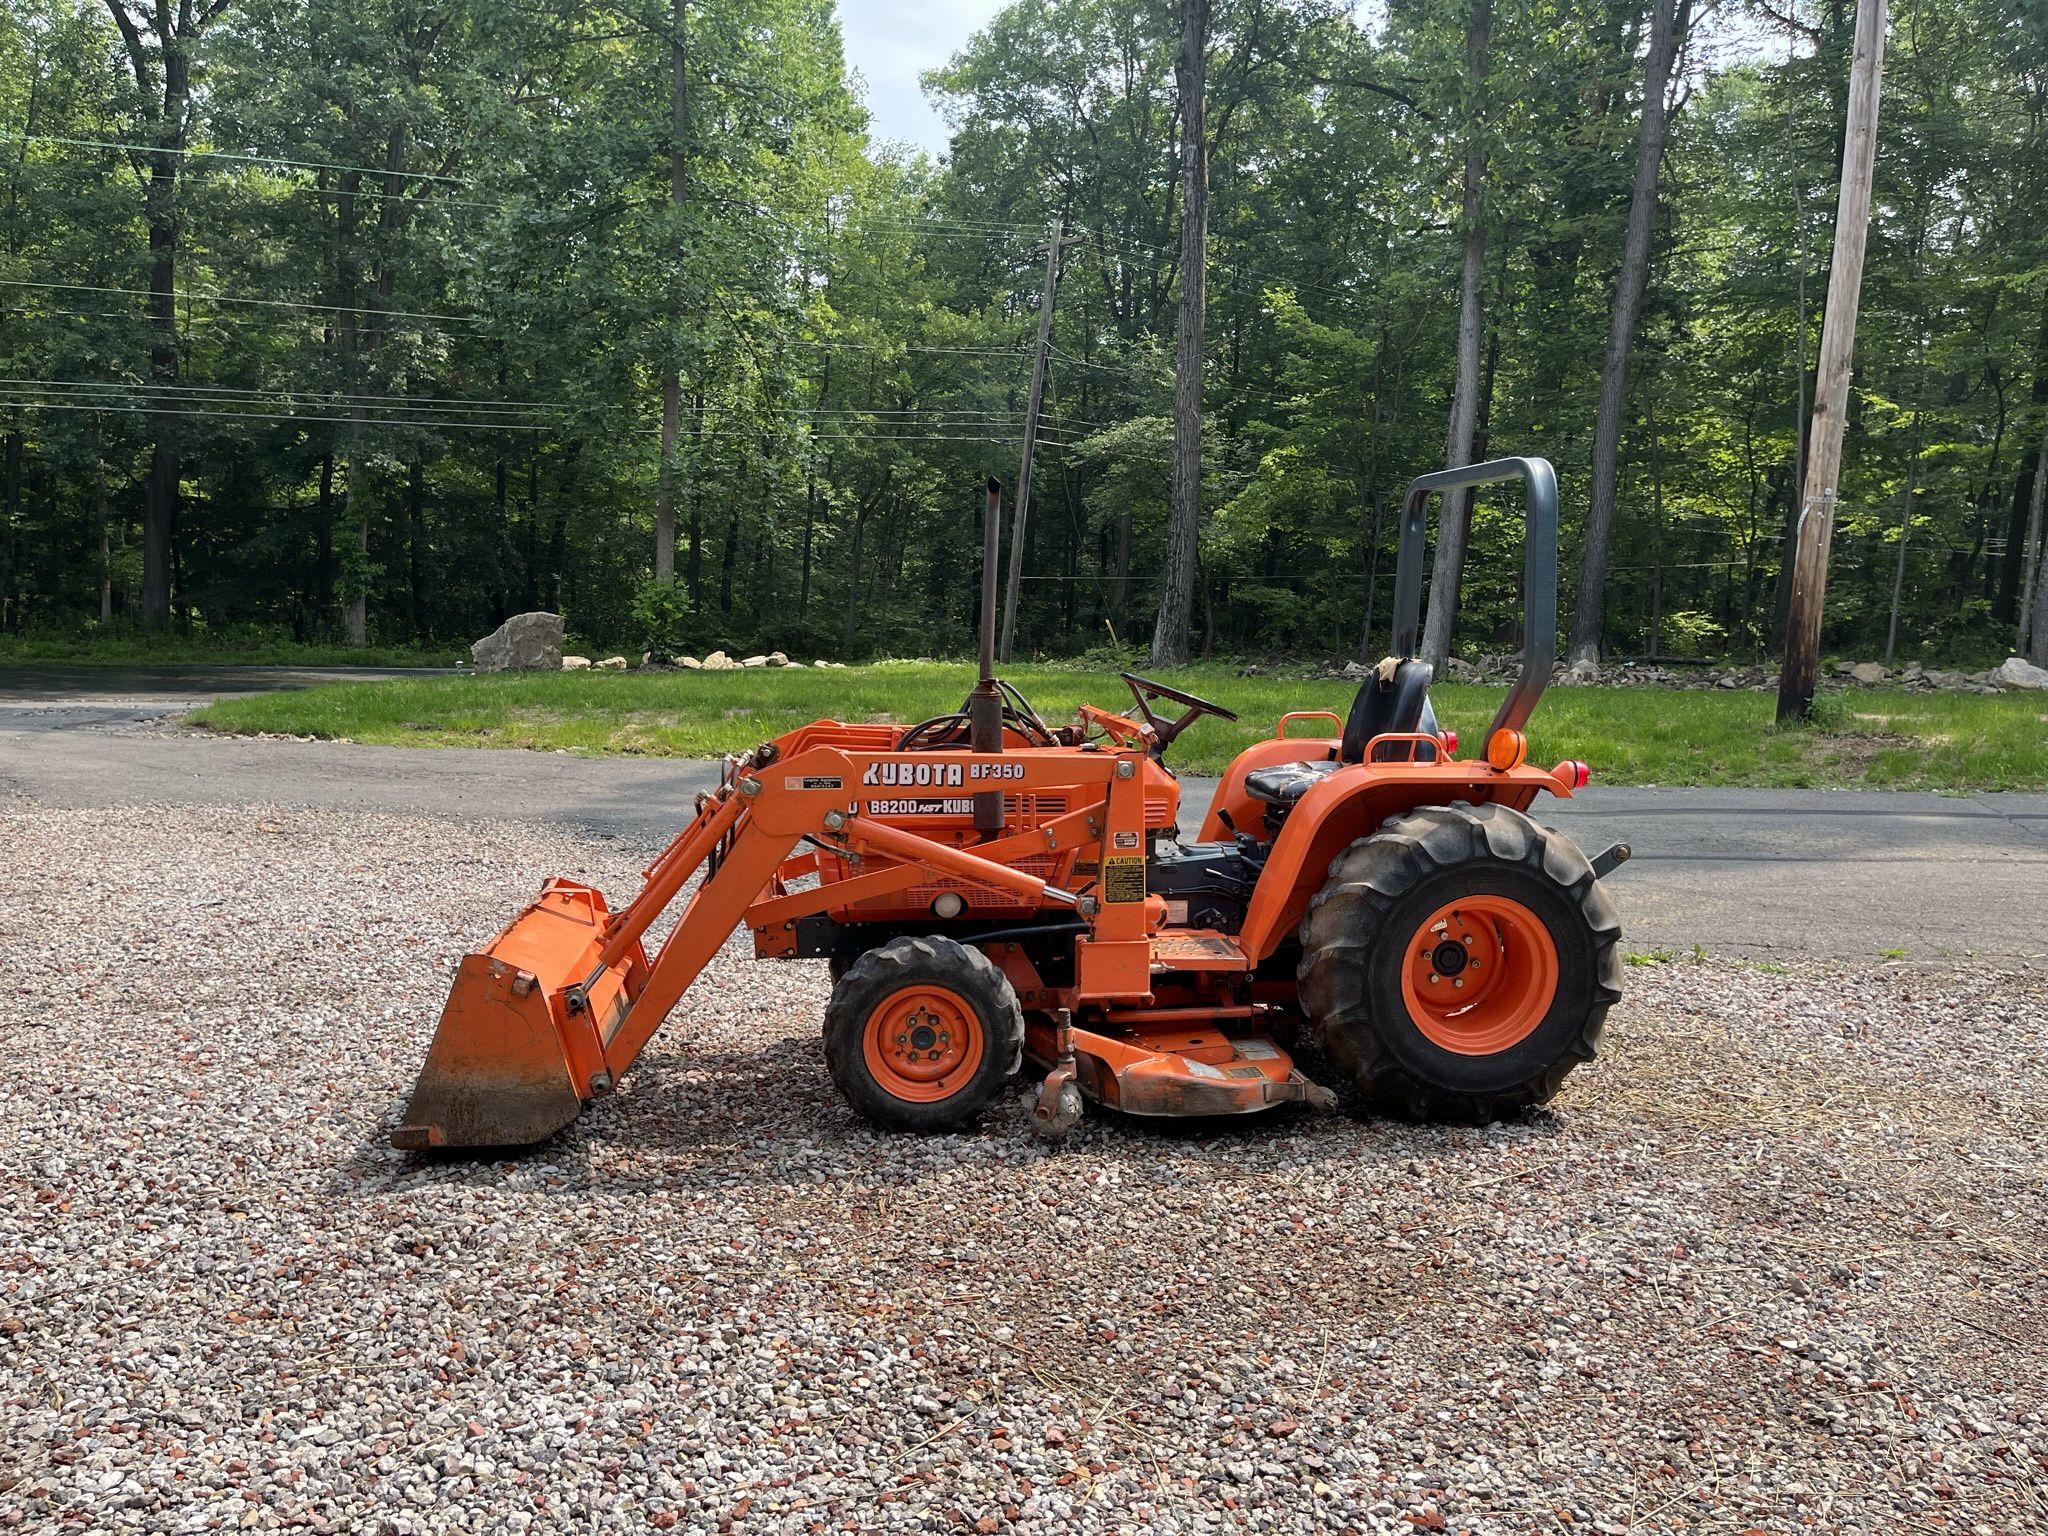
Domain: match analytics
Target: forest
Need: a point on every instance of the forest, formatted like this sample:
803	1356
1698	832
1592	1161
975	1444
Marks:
375	321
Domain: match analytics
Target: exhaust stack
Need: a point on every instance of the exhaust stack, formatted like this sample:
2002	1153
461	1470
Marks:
985	704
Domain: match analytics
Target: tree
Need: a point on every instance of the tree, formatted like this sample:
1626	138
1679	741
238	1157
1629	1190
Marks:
1667	26
161	40
1454	521
1177	582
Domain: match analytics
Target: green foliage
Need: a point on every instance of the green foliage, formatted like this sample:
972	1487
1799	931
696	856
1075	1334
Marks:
661	619
442	387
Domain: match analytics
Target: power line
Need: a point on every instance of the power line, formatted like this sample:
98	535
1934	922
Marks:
222	154
501	424
187	296
226	394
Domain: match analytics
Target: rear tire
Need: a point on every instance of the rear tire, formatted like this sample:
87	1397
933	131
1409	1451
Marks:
1460	962
922	1034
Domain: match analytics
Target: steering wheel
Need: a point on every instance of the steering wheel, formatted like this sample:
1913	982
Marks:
944	733
1144	690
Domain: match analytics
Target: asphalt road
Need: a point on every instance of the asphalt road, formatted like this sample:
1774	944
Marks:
1852	874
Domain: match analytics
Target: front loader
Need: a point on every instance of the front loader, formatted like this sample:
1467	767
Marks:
988	889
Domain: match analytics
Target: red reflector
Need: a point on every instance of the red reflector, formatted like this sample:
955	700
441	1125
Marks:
1581	775
1450	741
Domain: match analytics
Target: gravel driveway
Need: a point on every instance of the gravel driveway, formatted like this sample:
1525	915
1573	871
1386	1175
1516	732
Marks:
1774	1263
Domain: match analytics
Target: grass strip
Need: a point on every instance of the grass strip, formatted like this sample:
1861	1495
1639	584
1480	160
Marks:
1871	738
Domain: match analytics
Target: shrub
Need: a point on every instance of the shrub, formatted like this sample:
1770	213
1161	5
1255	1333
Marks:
661	618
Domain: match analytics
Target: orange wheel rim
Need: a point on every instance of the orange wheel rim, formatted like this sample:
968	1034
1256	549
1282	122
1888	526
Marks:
1479	975
923	1043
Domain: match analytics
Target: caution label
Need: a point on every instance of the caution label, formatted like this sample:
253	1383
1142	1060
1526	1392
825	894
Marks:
1123	880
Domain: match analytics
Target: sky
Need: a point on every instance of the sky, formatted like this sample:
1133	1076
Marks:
890	45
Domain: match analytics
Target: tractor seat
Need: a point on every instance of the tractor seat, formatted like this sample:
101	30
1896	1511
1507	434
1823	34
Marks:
1395	698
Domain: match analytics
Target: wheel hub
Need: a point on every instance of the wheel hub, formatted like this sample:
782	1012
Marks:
923	1043
1481	975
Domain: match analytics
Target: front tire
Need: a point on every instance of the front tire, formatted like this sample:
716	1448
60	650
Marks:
922	1034
1460	962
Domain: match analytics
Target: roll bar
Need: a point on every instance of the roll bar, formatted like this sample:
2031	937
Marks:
1539	574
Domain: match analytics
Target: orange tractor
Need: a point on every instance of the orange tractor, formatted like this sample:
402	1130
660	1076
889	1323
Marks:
988	888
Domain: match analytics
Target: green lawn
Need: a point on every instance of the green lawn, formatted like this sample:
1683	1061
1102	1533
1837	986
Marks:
1876	737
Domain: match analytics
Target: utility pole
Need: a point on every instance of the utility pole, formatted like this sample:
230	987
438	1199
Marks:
1831	387
1022	511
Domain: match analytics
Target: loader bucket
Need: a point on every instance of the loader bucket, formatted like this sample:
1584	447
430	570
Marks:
518	1052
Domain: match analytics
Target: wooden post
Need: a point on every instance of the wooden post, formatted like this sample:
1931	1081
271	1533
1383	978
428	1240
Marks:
1022	510
1837	353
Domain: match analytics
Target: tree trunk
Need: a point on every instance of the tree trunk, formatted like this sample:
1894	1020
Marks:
803	599
1177	584
671	376
694	573
2016	573
665	479
10	578
415	539
852	625
99	506
354	511
558	529
1657	516
1891	634
727	556
1372	575
1667	21
356	617
2033	633
1120	587
160	495
803	591
1455	517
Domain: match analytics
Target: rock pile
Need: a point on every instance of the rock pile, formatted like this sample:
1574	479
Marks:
1500	670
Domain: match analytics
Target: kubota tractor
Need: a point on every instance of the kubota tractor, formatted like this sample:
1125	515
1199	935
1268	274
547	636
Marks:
987	889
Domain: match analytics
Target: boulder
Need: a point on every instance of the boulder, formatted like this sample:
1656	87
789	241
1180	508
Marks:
689	664
777	659
575	663
612	664
836	666
2016	673
755	661
1584	672
718	661
526	642
1866	673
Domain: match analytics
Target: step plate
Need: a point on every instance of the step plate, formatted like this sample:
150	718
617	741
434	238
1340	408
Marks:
1197	949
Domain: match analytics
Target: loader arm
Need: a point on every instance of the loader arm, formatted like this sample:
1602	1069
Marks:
562	1002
